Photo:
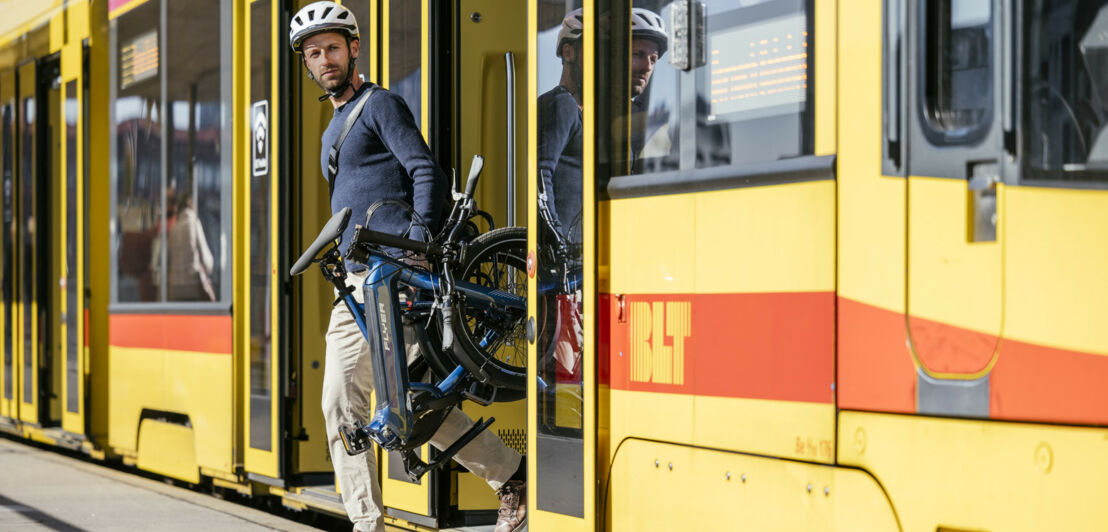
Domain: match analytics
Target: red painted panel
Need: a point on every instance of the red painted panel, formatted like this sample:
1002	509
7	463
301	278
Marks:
762	345
942	348
876	371
207	334
1039	383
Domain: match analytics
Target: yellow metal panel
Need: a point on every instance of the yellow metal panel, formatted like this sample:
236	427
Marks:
941	263
637	414
425	70
511	418
981	475
1055	259
198	385
871	218
237	388
136	381
779	238
57	32
100	247
404	495
78	21
168	449
789	429
72	61
21	16
826	75
657	486
759	239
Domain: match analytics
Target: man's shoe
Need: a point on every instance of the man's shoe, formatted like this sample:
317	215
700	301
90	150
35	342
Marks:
512	515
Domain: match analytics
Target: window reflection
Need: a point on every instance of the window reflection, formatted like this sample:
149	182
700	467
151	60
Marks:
138	157
1067	98
169	223
560	135
749	104
405	52
193	185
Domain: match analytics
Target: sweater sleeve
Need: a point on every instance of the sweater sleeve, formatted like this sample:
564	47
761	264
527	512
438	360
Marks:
391	119
556	122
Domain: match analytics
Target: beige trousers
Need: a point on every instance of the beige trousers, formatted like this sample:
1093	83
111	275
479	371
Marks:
347	383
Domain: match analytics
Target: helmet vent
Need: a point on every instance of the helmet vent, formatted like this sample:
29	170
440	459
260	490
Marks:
311	15
343	16
298	21
326	12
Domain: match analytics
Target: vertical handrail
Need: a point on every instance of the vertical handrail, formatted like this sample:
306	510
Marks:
510	69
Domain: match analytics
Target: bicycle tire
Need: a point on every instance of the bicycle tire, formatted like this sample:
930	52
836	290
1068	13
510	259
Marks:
496	259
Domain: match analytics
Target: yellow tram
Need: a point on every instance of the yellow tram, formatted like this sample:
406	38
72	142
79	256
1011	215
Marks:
841	261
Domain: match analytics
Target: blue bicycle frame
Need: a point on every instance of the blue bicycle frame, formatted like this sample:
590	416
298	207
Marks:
393	422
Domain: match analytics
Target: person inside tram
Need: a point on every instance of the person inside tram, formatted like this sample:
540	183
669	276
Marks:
188	256
384	157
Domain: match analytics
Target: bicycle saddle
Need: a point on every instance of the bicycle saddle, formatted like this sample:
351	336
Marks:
334	228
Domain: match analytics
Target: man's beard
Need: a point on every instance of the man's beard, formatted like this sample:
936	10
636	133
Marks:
338	81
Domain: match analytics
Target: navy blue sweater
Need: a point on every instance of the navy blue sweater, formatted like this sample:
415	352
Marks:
384	157
559	157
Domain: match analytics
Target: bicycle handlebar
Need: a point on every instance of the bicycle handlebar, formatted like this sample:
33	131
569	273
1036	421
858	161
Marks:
363	235
474	171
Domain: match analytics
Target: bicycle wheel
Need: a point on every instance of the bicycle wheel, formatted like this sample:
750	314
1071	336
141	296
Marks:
494	341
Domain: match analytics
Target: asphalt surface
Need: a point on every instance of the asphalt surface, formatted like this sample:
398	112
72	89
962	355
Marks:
45	490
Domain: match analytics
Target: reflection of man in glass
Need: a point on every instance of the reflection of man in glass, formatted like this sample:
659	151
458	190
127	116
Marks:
560	144
560	196
649	42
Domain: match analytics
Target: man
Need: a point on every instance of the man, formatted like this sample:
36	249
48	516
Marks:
383	157
649	42
560	116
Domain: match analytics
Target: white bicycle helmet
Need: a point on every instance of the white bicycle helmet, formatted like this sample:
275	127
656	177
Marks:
319	17
648	24
572	26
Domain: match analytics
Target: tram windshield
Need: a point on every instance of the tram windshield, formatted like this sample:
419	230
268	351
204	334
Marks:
1067	90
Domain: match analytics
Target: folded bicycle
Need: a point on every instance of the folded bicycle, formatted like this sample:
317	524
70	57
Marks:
468	308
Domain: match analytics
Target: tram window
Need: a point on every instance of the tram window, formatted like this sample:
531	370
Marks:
957	80
405	52
137	154
1067	91
195	184
171	206
751	103
560	343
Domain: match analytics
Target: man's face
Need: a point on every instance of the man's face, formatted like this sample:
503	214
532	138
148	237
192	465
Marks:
327	57
644	54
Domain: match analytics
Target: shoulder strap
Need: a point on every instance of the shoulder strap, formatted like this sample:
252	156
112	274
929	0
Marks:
333	157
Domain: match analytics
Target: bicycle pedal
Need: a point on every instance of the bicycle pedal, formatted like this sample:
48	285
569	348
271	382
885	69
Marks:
480	393
352	439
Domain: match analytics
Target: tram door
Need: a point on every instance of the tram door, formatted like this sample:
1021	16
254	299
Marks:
9	369
35	151
956	162
70	208
490	111
263	403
